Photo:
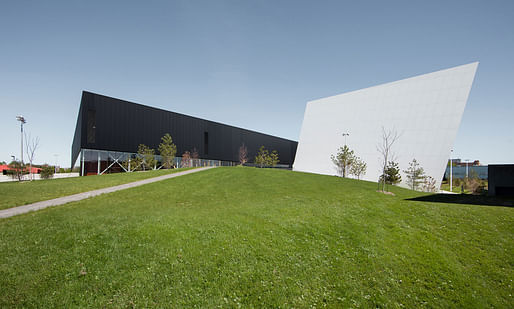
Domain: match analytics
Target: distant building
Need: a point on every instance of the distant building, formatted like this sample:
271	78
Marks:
472	170
462	169
458	162
501	179
4	168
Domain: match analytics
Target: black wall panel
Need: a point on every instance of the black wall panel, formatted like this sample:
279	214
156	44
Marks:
122	126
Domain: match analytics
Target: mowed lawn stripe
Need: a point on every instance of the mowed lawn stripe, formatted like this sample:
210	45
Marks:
250	237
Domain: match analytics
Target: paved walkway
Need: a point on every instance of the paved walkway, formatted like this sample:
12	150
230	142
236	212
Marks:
80	196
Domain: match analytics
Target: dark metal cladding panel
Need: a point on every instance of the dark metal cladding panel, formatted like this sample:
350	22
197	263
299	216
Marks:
122	126
77	138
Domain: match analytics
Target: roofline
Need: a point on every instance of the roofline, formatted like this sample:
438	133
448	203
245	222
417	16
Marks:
163	110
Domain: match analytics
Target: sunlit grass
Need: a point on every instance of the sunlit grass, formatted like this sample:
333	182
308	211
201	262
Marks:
230	237
26	192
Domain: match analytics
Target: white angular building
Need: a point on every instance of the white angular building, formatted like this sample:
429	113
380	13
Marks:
424	110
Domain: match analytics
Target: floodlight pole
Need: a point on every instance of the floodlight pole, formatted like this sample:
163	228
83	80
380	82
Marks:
451	176
345	135
22	121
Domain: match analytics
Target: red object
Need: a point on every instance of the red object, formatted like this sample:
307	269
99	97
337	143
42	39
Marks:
35	170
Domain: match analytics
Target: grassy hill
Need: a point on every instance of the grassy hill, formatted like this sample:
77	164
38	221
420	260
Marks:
232	237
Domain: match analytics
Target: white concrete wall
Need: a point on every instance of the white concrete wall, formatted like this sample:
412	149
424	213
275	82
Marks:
4	178
425	110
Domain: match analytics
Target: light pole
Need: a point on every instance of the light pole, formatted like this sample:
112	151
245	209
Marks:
451	174
345	135
55	167
22	121
467	164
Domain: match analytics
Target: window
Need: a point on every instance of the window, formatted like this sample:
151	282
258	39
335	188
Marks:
206	142
91	126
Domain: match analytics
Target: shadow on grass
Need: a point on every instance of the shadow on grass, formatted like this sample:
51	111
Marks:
466	199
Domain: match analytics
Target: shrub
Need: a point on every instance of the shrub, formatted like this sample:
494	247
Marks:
47	171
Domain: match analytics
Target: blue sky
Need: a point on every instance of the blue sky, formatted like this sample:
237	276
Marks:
252	64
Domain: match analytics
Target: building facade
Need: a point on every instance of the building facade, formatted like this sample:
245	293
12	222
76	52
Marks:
501	179
424	111
109	130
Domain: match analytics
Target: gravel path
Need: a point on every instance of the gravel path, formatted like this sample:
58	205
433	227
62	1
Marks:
80	196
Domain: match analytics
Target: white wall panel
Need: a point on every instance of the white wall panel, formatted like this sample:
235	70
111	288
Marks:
425	110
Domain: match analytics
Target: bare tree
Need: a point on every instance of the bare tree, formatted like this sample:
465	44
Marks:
31	145
186	159
389	137
358	168
243	154
196	157
429	184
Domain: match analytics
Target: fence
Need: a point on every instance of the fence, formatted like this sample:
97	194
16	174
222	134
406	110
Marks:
98	162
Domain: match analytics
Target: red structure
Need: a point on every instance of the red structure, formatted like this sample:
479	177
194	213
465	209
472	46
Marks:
4	168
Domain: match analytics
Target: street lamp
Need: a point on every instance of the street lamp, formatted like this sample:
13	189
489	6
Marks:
55	167
467	168
451	174
345	135
22	121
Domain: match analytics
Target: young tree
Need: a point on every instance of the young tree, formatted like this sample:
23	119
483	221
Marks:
343	160
136	163
473	183
358	168
385	149
243	154
167	150
429	184
273	158
31	145
195	157
148	156
415	174
186	159
392	174
262	157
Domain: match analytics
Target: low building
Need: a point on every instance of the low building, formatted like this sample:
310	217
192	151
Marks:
501	179
466	171
4	169
109	130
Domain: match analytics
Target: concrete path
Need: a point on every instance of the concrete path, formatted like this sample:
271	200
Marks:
80	196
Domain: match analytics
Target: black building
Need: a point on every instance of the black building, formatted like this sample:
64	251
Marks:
501	179
109	130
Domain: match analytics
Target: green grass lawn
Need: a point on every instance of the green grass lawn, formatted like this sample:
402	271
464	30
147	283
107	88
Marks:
230	237
26	192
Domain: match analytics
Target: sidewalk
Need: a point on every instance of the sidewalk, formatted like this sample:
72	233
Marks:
9	212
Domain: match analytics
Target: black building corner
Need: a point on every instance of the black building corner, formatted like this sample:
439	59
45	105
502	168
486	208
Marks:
110	129
501	179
